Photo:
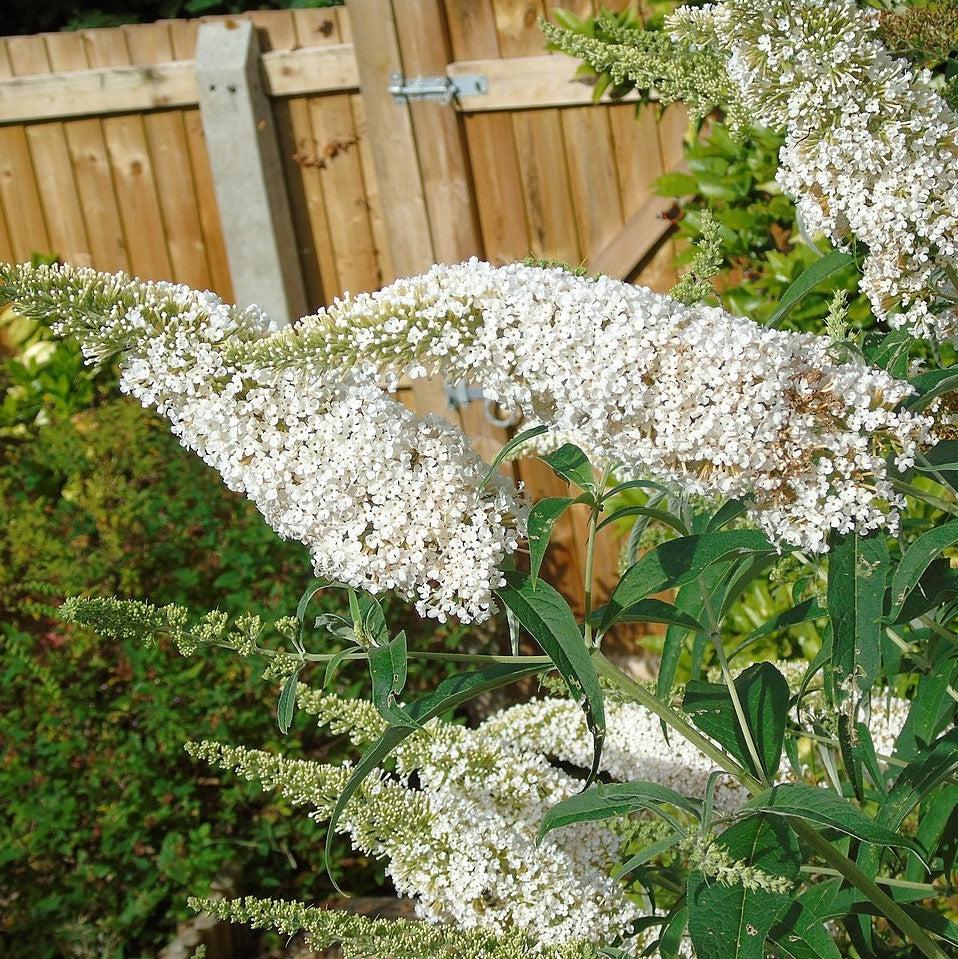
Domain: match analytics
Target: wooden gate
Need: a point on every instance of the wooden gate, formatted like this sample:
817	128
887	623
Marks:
104	160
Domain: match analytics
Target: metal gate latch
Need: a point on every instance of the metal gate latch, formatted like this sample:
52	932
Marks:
438	89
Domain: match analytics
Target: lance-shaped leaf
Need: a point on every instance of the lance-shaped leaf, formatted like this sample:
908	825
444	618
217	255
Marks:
614	799
802	935
891	353
542	519
824	807
286	706
763	692
730	921
451	693
511	446
929	386
387	669
811	277
857	571
806	611
679	561
918	557
654	611
569	462
546	616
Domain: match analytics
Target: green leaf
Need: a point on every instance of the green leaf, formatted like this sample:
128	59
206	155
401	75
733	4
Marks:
647	854
569	462
725	514
891	353
546	616
929	386
387	669
542	518
332	667
315	585
451	693
730	921
676	562
675	184
813	276
763	692
513	444
613	799
803	612
857	572
937	585
656	611
802	935
662	515
824	807
917	559
286	706
919	778
674	932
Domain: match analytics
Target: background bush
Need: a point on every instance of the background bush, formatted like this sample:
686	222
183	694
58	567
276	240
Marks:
106	828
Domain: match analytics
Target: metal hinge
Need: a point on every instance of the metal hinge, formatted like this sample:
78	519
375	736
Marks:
438	89
460	395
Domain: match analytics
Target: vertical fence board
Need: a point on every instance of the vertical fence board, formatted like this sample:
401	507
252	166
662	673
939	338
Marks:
133	173
183	41
339	165
18	186
392	140
490	141
540	145
166	136
91	165
51	163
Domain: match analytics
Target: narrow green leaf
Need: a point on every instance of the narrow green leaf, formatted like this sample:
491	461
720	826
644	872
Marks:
891	353
315	585
387	669
647	854
655	611
857	572
724	515
918	778
513	444
824	807
804	612
801	935
813	276
674	932
613	799
915	562
569	462
546	616
929	386
663	516
763	692
542	519
332	667
286	706
679	561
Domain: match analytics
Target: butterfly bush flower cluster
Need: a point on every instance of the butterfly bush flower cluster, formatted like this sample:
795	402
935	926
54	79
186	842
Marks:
870	148
384	500
462	842
690	394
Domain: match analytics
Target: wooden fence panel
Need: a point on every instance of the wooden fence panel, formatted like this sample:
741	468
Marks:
378	188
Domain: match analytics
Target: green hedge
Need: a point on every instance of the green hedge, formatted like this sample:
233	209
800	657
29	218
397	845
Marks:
106	827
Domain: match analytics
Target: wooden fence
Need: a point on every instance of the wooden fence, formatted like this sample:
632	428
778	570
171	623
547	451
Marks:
104	160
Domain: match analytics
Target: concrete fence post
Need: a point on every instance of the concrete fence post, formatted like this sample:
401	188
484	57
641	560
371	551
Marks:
247	172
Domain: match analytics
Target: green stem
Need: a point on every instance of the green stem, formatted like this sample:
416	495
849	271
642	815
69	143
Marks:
867	886
716	636
477	659
834	857
882	881
641	695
